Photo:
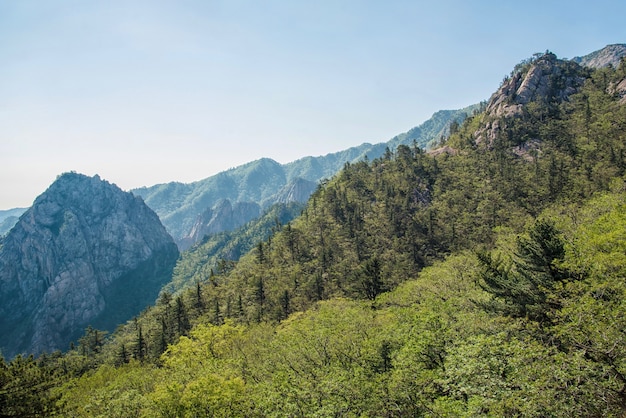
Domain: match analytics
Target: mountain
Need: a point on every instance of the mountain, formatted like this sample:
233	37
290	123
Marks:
609	55
543	80
86	253
8	218
484	278
549	137
218	252
434	129
222	217
183	207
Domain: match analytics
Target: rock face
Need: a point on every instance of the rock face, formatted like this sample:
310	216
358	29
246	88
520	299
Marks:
225	216
618	89
544	79
609	55
298	190
86	253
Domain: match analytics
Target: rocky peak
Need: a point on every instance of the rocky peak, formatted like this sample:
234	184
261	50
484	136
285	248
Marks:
86	253
609	55
544	78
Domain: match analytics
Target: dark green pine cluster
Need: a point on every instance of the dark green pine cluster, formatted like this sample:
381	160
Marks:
483	278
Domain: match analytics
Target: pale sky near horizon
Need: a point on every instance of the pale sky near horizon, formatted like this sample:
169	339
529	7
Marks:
147	92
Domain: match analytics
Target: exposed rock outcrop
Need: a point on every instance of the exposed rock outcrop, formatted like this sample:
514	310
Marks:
443	150
298	190
544	79
222	217
619	89
86	253
609	55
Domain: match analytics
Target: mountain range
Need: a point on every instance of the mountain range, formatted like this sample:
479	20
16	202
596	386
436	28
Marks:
481	277
191	210
59	240
233	197
88	254
188	210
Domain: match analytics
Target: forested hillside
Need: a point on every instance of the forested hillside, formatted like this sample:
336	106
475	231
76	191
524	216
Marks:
217	253
483	278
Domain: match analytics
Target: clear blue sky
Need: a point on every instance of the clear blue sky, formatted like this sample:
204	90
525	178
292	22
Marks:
146	92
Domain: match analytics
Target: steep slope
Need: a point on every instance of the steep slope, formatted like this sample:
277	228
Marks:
434	129
216	253
265	182
297	190
8	223
222	217
551	134
179	206
86	253
609	55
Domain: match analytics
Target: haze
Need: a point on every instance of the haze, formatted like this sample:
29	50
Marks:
145	92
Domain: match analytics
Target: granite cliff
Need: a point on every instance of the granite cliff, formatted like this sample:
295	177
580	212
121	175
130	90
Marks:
609	55
545	80
86	253
225	216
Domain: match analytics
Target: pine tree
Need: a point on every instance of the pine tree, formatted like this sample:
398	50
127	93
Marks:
182	319
140	349
217	315
525	285
285	304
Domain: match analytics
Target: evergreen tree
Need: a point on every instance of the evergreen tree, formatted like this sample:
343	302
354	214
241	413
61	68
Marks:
525	286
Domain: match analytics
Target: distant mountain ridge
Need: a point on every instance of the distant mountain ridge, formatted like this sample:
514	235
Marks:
4	214
184	208
86	253
8	218
264	182
609	55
